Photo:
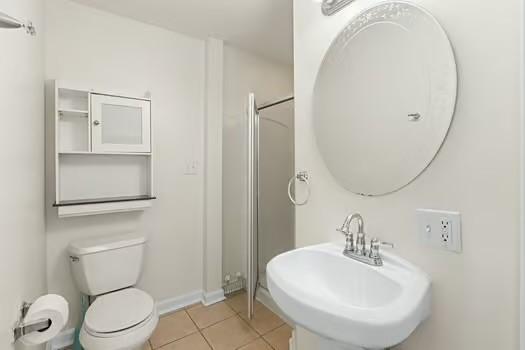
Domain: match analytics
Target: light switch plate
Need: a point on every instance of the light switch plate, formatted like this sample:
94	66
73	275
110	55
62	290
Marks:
440	229
191	167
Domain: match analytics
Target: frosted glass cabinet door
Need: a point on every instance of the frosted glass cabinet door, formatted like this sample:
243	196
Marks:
120	124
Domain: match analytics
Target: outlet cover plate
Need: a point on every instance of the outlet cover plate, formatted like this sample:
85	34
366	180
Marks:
440	229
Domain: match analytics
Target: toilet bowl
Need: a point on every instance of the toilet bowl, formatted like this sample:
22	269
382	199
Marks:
121	320
121	317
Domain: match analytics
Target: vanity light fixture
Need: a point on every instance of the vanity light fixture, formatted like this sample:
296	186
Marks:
9	22
329	7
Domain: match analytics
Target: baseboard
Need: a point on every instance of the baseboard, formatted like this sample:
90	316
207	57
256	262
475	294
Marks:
264	297
213	297
67	337
173	304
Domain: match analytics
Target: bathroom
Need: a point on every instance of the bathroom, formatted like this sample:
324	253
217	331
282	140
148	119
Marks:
238	133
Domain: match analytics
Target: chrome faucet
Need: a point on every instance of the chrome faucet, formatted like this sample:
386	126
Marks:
345	229
357	250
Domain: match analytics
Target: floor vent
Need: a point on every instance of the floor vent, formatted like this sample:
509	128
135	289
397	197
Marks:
234	286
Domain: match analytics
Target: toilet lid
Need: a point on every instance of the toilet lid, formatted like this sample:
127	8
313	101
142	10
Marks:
117	311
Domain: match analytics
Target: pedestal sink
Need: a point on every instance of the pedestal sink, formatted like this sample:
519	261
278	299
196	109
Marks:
349	304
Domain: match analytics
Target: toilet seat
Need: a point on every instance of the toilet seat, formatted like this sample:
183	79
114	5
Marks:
118	312
105	329
121	332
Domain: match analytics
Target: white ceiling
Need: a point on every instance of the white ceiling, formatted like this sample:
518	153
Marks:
261	26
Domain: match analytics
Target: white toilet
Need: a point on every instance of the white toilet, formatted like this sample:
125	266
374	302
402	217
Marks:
121	317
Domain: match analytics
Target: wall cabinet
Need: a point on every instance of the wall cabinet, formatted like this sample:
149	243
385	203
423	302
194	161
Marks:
120	124
98	150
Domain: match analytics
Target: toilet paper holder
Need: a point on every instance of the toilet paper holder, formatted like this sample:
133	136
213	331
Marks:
22	328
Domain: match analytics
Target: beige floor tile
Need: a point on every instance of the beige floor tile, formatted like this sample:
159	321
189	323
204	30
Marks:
239	303
229	334
205	316
259	344
146	346
172	327
279	338
191	342
263	320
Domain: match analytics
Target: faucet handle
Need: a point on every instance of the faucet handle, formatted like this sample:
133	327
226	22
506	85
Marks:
344	230
349	242
387	244
375	243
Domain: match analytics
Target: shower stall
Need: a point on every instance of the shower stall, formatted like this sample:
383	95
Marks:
270	165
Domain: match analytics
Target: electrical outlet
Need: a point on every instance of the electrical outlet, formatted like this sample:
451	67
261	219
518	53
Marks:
445	231
440	229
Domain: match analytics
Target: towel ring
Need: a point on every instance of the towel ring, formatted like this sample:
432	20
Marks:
303	177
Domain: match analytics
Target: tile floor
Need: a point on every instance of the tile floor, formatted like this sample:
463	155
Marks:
222	326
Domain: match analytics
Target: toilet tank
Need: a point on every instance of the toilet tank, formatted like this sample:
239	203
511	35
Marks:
104	264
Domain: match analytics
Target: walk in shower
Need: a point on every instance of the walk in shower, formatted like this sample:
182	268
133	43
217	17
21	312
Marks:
270	165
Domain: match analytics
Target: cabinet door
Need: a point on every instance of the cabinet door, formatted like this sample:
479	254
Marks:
120	124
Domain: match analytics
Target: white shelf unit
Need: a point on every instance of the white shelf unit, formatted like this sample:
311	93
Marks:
84	182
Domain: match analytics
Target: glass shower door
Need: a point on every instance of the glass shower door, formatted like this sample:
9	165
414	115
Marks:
270	159
275	167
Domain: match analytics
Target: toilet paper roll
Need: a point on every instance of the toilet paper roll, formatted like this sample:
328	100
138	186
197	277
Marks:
50	306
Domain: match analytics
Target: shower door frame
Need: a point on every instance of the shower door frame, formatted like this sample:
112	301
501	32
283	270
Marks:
253	125
253	200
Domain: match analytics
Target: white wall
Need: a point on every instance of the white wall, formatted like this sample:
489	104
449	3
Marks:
92	47
22	252
475	294
244	72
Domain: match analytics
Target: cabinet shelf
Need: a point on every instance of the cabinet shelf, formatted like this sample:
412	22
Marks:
65	112
87	153
103	200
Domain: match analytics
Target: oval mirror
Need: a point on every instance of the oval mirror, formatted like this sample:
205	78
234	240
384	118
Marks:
384	98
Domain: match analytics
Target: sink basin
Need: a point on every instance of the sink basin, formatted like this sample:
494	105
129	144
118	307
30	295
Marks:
349	304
